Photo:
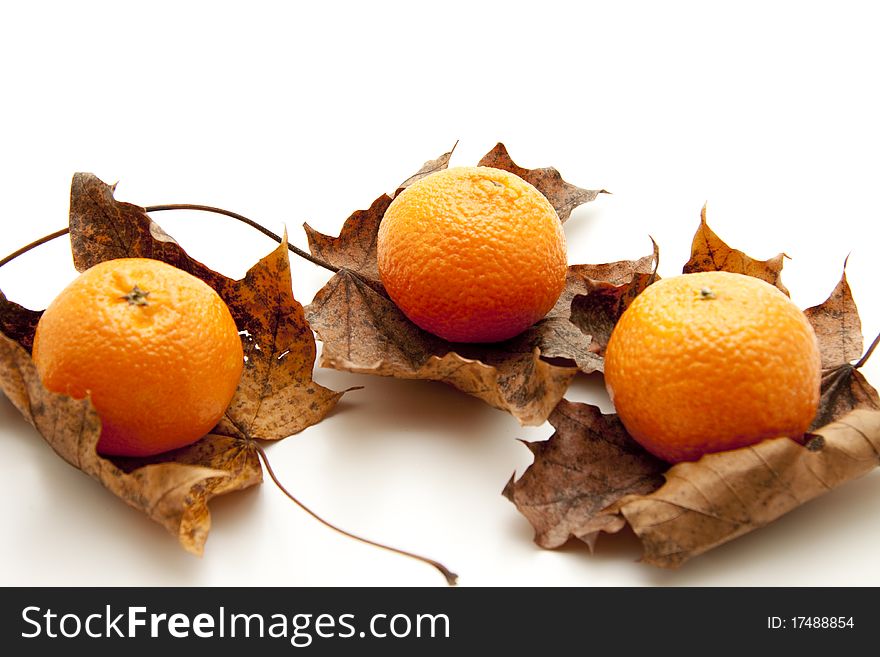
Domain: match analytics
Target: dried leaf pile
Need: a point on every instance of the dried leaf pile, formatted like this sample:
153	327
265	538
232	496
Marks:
589	477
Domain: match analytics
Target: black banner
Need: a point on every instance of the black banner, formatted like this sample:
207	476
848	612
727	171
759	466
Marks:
337	621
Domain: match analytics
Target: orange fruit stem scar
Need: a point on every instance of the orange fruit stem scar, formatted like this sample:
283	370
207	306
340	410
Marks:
136	297
472	254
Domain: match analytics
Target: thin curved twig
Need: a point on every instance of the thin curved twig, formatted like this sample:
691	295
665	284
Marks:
864	359
451	577
48	238
186	206
244	220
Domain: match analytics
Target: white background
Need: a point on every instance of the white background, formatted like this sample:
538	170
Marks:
288	112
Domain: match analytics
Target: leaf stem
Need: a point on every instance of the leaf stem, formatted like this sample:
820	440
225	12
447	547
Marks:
451	577
244	220
864	359
185	206
33	245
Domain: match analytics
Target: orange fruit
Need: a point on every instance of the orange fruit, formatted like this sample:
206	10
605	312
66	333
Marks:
472	254
154	347
712	361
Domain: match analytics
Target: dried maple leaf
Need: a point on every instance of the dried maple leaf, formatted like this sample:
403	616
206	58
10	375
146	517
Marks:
559	342
710	253
102	228
725	495
363	331
592	477
429	167
355	248
579	325
838	326
589	463
839	330
18	322
275	398
563	196
610	288
174	493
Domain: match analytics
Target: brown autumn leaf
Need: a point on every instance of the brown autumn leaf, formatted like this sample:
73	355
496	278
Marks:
563	196
18	322
710	253
839	330
589	463
174	493
725	495
363	331
592	477
609	289
355	247
429	167
275	398
844	388
838	326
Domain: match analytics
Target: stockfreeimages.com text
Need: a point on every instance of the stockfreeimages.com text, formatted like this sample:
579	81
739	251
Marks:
300	629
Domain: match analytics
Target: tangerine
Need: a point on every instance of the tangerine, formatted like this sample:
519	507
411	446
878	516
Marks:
154	347
712	361
472	254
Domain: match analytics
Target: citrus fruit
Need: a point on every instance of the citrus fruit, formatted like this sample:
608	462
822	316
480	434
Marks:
472	254
712	361
154	347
